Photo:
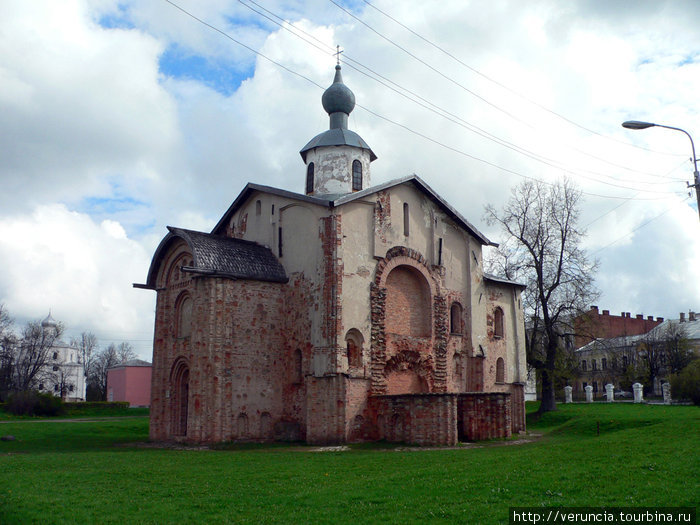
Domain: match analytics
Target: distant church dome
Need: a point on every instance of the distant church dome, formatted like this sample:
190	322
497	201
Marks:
338	98
49	322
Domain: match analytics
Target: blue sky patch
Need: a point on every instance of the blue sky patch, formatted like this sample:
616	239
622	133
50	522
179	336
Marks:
118	20
218	75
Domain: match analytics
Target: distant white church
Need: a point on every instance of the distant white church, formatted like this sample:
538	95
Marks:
63	375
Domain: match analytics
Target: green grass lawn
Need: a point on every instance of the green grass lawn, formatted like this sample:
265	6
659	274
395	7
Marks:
73	472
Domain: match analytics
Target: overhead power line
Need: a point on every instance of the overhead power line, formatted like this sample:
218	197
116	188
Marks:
503	86
444	113
426	137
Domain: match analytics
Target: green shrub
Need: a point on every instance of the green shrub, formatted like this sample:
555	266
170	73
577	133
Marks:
31	403
686	384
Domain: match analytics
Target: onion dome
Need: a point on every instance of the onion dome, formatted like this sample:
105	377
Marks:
338	98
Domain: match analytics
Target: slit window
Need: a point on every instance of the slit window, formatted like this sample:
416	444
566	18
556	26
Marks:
356	175
310	178
405	219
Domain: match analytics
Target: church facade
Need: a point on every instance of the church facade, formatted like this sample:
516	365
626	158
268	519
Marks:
346	313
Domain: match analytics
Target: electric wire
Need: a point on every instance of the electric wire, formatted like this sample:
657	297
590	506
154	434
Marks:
455	118
503	86
430	139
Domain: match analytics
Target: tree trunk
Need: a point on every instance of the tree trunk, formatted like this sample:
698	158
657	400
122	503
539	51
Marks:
548	401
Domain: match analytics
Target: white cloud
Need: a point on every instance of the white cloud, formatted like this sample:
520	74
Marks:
81	270
100	150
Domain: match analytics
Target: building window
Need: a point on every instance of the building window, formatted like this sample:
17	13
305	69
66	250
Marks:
595	386
55	388
500	371
279	241
405	219
298	376
310	178
70	388
594	365
583	365
55	368
356	175
603	363
456	318
55	355
624	361
498	323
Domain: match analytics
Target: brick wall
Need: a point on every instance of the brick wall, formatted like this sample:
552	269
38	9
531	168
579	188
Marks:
421	419
484	415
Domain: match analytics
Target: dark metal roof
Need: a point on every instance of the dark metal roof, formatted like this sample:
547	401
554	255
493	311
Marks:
502	280
219	256
337	137
332	201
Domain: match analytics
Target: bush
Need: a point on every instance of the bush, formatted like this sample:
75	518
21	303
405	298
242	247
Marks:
686	384
31	403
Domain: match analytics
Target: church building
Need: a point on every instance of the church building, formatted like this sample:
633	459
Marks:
345	313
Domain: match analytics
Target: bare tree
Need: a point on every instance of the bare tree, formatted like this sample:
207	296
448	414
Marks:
543	250
679	352
125	352
32	355
87	346
8	341
104	360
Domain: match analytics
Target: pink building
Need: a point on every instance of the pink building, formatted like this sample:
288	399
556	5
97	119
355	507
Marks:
130	381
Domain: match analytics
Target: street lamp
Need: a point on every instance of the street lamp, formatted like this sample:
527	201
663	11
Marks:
636	124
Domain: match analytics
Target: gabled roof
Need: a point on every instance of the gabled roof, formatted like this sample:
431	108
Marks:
333	201
219	256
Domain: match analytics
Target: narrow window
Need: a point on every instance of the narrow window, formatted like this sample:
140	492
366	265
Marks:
604	363
500	371
405	219
310	178
456	318
594	365
279	241
624	361
356	175
298	376
272	212
258	208
595	385
498	323
583	365
55	355
440	251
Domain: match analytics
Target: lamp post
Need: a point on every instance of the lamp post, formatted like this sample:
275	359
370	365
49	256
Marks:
636	124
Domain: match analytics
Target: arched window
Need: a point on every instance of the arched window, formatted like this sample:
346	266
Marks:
356	175
405	219
310	178
500	370
184	316
456	318
354	341
498	323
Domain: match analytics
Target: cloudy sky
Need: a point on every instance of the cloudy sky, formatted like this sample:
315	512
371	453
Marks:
118	118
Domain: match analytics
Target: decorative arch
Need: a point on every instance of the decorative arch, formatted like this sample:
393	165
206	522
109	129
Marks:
408	302
408	373
183	315
354	344
456	323
498	324
179	396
